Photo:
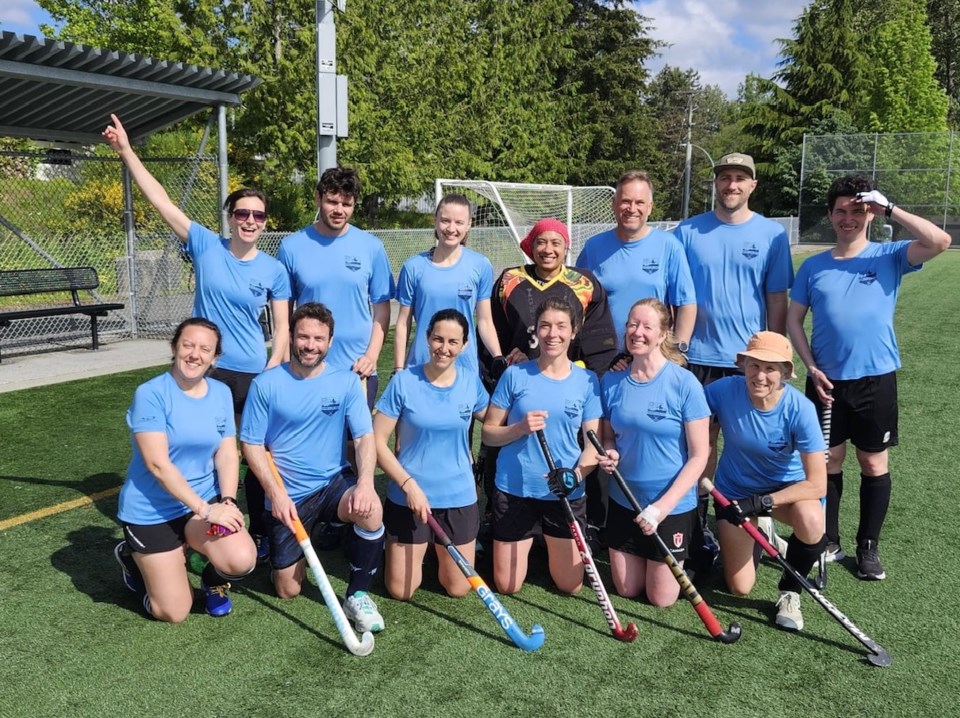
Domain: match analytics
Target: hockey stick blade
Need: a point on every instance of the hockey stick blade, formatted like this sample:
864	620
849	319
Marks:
362	647
731	635
878	655
489	598
628	634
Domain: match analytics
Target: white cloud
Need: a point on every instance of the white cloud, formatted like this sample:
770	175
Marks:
723	40
22	16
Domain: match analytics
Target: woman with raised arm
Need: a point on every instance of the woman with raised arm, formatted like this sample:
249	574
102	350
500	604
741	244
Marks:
655	426
772	464
430	406
235	281
552	394
181	484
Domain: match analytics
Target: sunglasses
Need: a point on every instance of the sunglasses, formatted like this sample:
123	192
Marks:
242	215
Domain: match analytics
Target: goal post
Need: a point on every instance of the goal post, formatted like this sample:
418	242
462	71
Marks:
503	213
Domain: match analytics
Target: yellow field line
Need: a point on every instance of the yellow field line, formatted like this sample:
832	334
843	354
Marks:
57	508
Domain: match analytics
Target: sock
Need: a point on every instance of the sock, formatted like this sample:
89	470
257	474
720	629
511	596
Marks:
874	501
801	556
211	576
255	502
834	492
364	553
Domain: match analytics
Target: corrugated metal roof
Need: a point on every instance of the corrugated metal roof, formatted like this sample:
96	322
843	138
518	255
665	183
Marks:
55	90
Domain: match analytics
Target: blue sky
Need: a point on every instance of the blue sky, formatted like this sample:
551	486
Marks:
722	39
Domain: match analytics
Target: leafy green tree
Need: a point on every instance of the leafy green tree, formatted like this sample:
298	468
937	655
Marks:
943	18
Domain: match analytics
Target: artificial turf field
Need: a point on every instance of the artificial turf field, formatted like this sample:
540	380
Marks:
73	642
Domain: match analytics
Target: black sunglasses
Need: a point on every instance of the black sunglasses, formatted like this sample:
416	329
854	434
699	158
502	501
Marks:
259	216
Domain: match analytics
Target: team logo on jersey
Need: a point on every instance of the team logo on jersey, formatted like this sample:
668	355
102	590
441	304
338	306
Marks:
751	251
657	411
465	292
257	289
867	277
351	263
651	266
572	408
778	445
465	412
221	425
330	405
678	539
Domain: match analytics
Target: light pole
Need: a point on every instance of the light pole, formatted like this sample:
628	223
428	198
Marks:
713	186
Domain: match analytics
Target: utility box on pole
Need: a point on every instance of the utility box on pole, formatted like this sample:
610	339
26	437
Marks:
331	87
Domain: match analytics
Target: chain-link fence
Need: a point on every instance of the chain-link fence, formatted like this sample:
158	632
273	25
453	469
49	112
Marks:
65	208
916	171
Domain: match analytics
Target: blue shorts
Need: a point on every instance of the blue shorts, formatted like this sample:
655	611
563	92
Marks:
319	506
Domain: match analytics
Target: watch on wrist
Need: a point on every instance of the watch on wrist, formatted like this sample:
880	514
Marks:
684	347
766	502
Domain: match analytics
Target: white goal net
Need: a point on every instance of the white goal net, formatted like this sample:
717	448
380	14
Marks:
503	213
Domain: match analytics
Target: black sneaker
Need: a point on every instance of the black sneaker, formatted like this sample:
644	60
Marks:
868	561
130	572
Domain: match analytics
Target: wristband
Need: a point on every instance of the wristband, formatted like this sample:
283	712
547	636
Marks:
405	482
889	210
225	499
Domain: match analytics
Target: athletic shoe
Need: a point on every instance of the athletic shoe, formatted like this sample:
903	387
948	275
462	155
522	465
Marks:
327	536
769	529
216	602
834	552
362	611
789	617
263	548
128	567
868	561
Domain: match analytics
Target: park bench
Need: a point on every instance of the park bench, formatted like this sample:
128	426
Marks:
23	282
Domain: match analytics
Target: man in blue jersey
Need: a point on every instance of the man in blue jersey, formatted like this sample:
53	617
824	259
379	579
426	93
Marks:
635	261
300	412
853	356
741	269
345	268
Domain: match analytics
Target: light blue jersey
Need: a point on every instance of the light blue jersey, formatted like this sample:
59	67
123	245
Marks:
853	301
432	426
761	449
521	467
346	273
428	288
303	423
195	428
232	293
734	267
648	420
654	266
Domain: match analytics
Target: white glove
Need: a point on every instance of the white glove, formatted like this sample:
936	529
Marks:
873	196
651	515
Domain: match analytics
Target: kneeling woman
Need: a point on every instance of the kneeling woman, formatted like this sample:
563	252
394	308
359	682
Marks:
772	464
430	406
552	394
182	482
656	425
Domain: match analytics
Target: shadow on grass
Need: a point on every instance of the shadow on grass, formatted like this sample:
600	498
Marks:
500	637
253	595
89	486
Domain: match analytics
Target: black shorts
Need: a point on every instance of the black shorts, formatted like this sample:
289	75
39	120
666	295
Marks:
157	538
864	412
461	524
708	374
239	383
624	535
516	518
319	506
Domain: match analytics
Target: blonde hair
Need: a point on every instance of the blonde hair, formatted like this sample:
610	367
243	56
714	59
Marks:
669	347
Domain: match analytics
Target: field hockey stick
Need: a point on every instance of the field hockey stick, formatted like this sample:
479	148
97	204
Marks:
686	586
627	634
878	656
489	598
363	647
825	417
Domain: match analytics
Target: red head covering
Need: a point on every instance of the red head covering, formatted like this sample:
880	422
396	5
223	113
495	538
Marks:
544	225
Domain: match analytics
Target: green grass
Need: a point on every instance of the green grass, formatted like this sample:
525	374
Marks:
73	642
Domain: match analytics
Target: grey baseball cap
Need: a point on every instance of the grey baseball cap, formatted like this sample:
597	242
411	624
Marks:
736	160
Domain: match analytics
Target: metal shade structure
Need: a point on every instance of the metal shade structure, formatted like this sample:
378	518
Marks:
64	92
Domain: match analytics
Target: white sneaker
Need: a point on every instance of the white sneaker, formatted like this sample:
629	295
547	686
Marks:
789	617
769	529
362	611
